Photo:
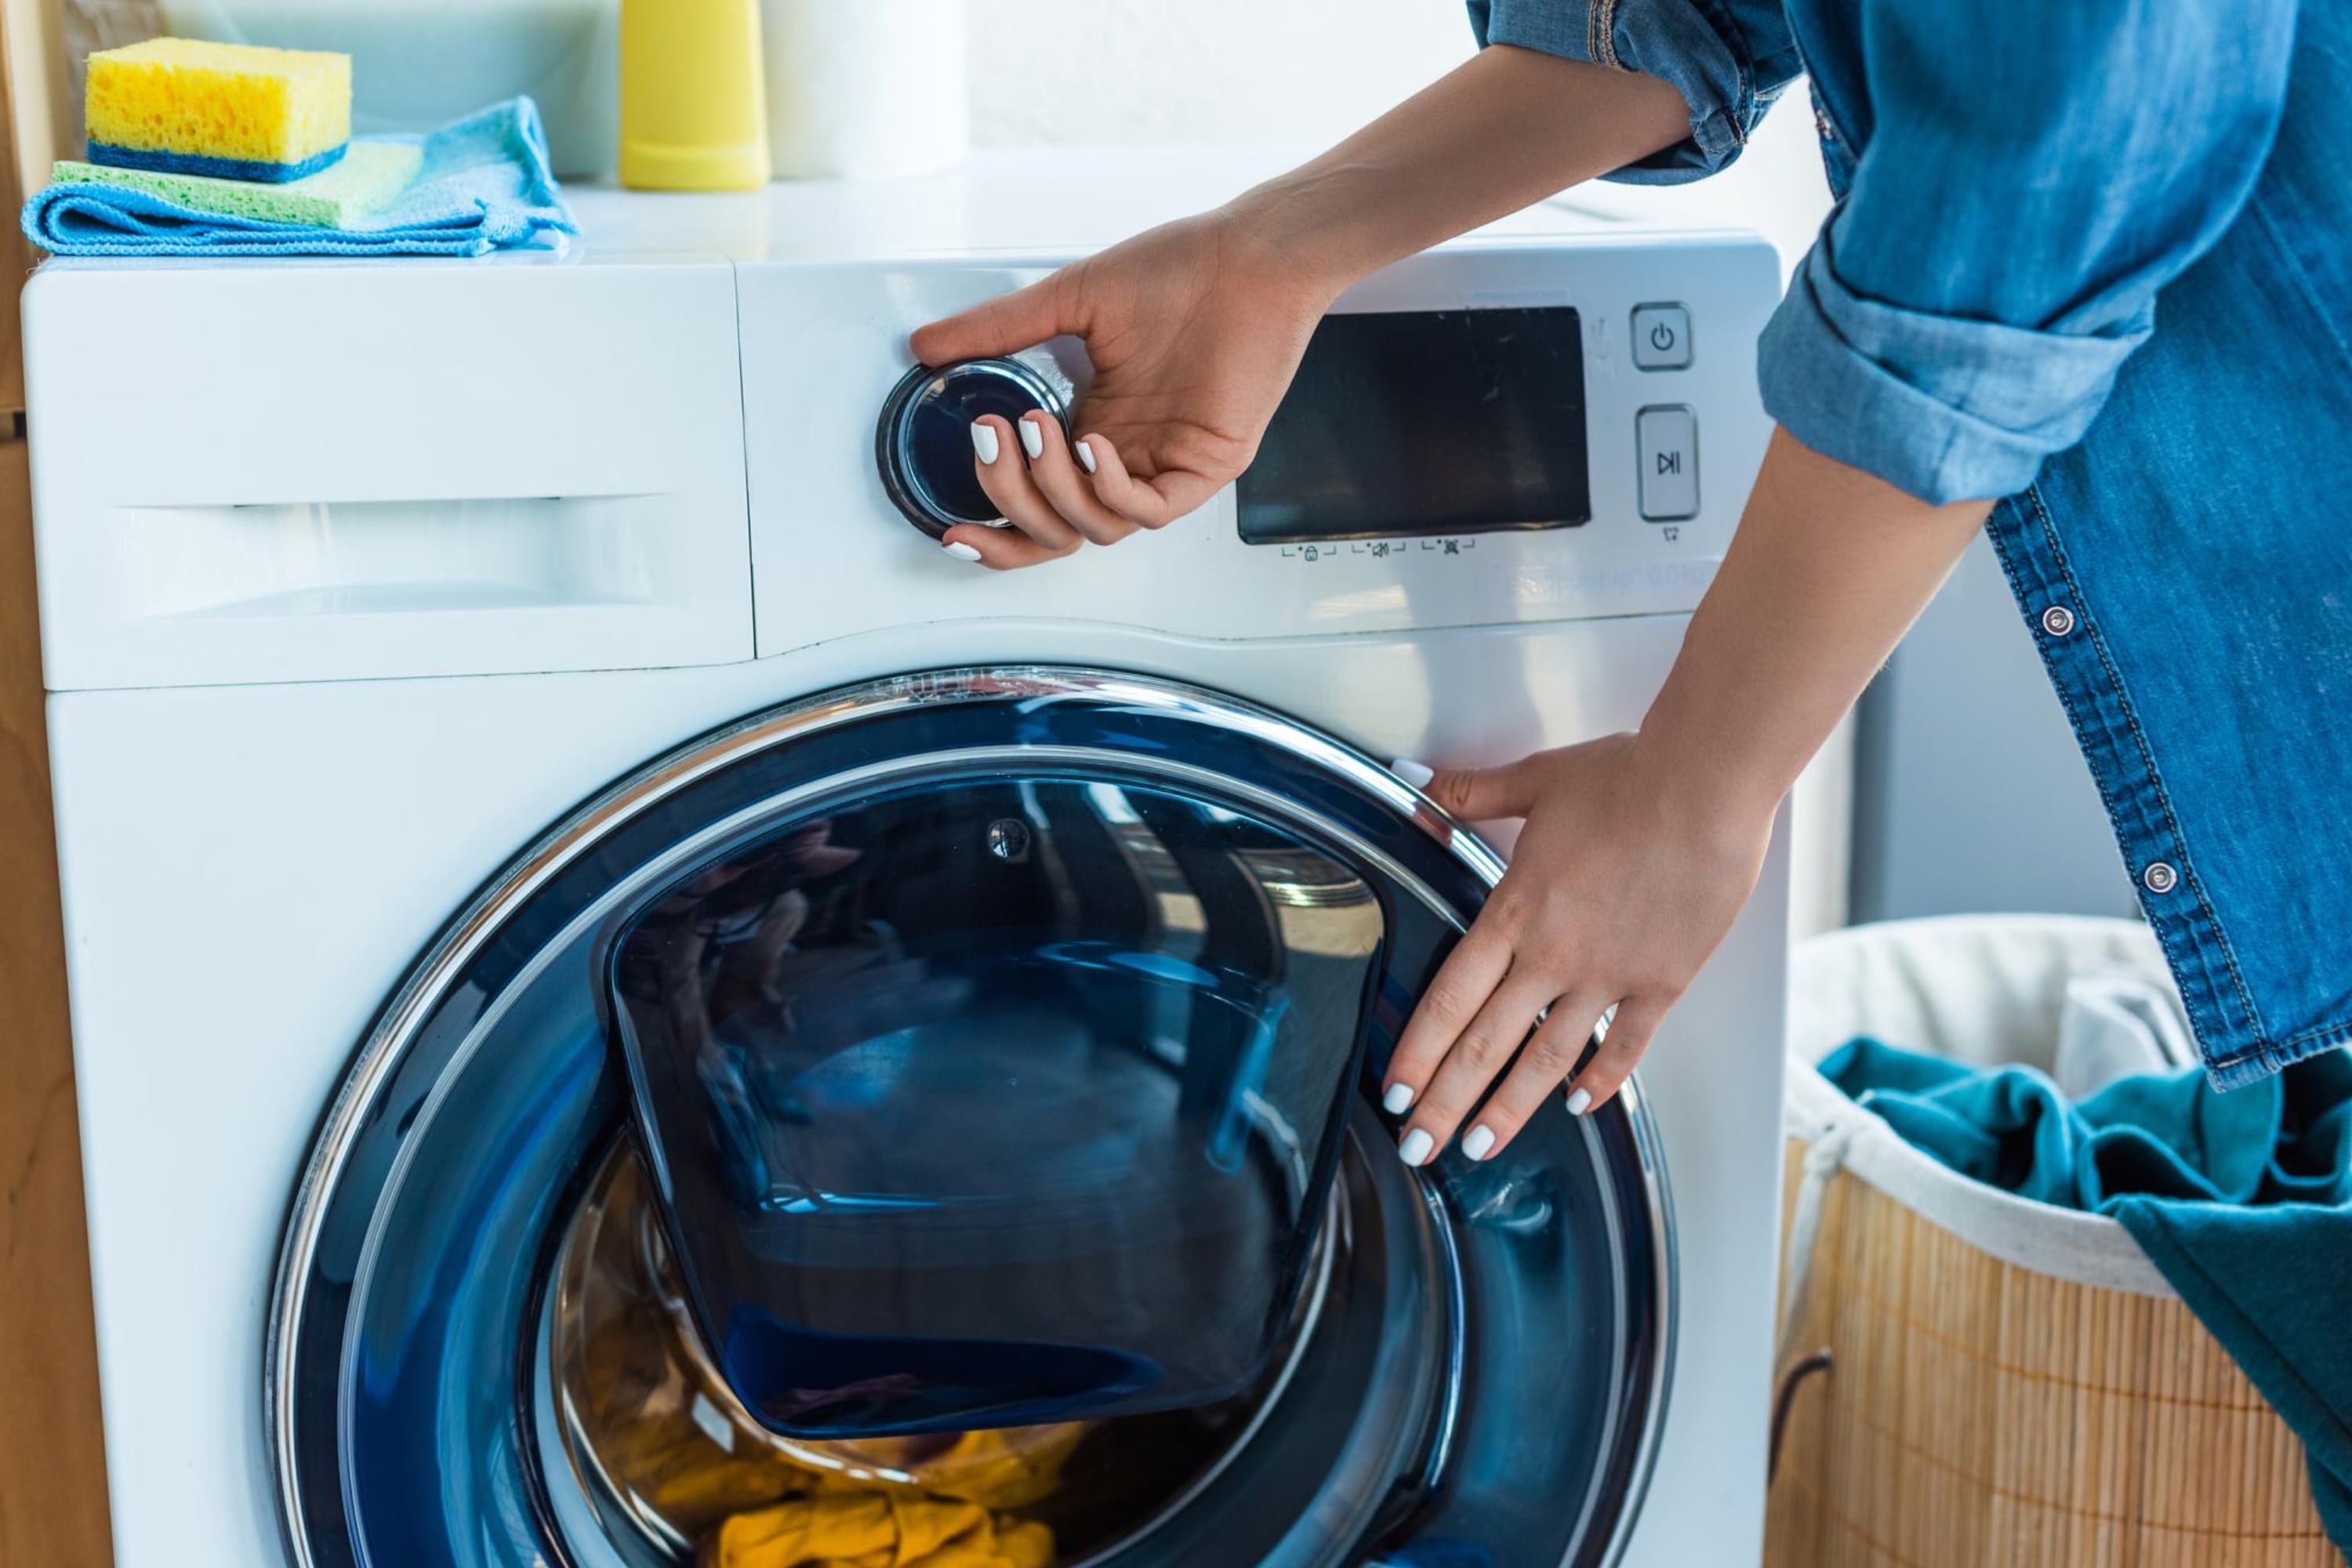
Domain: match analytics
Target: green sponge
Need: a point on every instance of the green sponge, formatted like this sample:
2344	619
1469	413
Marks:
367	178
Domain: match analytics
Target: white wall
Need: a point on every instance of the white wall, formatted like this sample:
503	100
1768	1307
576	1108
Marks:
1162	72
1298	74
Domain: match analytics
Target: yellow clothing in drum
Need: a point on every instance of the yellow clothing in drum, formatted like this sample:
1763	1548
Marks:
877	1531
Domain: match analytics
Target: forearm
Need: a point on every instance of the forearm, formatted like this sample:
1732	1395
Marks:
1507	129
1829	567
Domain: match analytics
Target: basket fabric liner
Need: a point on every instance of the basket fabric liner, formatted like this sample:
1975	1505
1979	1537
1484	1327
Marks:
2086	1007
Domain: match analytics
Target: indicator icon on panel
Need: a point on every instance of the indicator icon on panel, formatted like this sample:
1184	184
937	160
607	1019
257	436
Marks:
1662	337
1665	450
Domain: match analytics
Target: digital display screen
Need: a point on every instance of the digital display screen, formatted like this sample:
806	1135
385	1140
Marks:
1426	422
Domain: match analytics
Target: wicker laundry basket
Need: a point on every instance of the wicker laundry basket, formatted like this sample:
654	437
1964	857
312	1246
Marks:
2006	1383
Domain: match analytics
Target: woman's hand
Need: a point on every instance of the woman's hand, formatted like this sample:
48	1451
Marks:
1640	849
1623	883
1194	330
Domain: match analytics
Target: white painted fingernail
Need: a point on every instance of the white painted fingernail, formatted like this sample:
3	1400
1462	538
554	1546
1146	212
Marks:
1033	438
1415	1150
1479	1142
1085	456
1580	1103
983	441
1417	774
963	551
1398	1100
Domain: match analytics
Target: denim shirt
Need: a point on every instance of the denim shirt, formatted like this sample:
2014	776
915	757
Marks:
2094	257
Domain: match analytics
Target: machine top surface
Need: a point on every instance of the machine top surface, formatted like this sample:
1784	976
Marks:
1046	203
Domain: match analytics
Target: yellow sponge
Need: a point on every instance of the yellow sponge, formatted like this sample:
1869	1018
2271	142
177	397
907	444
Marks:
230	111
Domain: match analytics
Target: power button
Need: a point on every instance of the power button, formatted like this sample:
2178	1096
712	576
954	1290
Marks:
1661	337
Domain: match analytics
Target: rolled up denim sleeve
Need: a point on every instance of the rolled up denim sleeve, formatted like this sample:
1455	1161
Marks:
1729	59
2031	177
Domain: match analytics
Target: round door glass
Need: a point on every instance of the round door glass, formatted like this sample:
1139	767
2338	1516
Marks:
996	1101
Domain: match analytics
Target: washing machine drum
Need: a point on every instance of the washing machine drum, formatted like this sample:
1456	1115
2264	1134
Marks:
933	1123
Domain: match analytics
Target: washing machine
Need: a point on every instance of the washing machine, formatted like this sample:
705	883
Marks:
560	865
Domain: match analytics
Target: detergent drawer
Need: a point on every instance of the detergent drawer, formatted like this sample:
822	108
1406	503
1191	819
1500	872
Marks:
348	471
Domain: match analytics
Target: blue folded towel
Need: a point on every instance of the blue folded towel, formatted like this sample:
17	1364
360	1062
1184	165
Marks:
2242	1201
483	186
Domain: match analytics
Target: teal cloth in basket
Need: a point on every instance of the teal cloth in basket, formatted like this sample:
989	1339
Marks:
2243	1201
484	185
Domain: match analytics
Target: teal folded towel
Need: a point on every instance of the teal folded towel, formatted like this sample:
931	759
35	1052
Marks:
2242	1201
483	185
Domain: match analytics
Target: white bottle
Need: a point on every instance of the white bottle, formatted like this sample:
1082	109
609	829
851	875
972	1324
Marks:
866	88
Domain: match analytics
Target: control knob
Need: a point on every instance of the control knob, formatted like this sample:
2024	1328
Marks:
923	442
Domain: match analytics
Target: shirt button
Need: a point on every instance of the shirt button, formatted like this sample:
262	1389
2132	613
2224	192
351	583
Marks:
2160	878
2058	620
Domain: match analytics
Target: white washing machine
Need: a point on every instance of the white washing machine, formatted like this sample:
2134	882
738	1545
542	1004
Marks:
417	633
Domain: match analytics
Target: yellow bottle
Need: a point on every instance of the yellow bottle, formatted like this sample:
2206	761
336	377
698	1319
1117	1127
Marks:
694	109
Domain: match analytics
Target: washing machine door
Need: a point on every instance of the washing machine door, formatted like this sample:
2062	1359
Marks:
1194	927
1009	1092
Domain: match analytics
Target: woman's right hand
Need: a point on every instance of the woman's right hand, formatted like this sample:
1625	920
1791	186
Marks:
1194	330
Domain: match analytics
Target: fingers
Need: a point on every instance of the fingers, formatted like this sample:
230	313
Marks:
1002	465
997	549
1628	1036
1473	1061
1033	475
1542	1068
1547	1062
1148	503
1055	469
1003	325
1466	979
1484	795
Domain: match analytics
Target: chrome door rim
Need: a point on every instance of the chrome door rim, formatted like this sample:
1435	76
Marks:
429	981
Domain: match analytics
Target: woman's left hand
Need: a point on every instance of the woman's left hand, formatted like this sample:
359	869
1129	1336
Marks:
1627	876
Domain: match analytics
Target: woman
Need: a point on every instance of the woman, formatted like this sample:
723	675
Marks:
2086	277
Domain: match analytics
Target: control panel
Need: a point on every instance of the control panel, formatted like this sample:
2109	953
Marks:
1493	432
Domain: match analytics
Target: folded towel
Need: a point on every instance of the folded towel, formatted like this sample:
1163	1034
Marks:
371	178
2242	1201
483	186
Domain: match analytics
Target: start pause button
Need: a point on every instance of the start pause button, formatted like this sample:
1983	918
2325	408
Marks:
1665	445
